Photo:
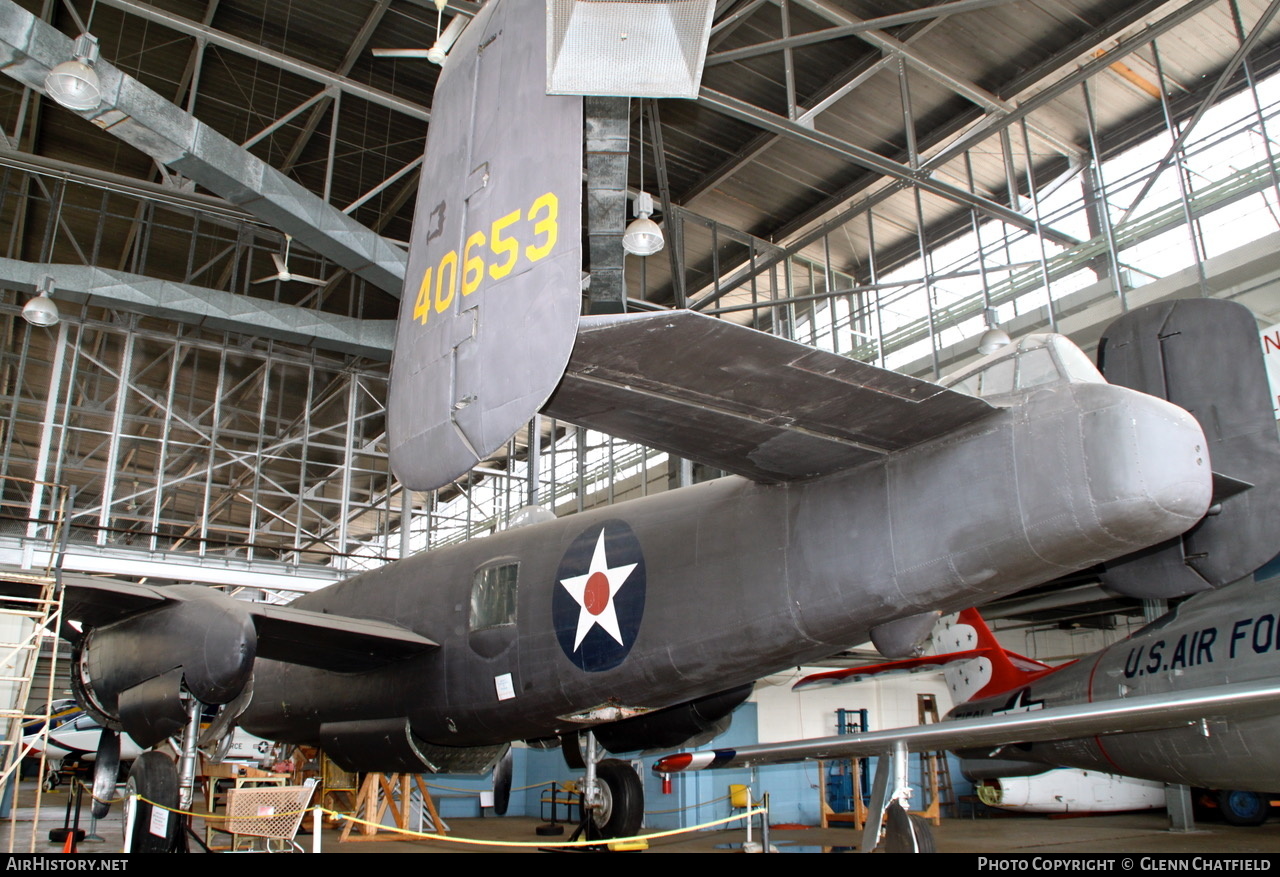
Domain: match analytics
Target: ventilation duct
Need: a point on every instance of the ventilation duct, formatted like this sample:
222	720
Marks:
636	48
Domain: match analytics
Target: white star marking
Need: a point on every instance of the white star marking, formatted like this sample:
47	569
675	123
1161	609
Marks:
589	597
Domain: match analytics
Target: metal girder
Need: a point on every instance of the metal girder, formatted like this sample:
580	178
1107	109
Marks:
980	96
845	30
738	109
994	124
358	44
275	59
211	308
851	78
30	48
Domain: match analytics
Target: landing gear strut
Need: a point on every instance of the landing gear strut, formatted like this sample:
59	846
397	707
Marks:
903	832
612	797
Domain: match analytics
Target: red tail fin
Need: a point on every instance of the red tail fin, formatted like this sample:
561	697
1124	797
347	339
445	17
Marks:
975	664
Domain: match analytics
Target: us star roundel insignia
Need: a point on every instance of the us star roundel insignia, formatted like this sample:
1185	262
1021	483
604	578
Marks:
598	601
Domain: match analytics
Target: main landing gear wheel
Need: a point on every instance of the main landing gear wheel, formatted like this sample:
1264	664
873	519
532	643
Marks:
907	833
1243	808
621	807
155	778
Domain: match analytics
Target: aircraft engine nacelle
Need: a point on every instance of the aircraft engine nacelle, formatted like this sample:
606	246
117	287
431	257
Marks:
129	674
978	768
674	726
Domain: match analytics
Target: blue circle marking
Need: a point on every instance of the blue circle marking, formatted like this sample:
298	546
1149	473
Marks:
598	599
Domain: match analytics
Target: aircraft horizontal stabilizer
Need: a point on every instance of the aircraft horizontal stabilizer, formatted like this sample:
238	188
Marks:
1146	713
924	664
744	401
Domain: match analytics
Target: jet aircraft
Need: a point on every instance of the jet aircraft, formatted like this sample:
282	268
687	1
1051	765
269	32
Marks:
861	502
1191	698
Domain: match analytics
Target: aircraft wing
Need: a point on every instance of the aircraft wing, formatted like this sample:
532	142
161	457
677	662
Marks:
1124	715
745	401
329	642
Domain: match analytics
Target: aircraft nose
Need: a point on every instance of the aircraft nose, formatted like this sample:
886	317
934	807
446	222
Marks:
1148	466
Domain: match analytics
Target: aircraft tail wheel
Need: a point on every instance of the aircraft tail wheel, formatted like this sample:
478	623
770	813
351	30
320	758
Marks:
502	783
907	833
154	777
621	807
1243	808
106	769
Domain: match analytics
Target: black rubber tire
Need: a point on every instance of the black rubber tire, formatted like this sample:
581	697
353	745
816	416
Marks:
907	833
155	777
626	799
502	783
1243	808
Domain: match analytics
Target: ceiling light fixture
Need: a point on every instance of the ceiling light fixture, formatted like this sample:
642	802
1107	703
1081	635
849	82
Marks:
643	236
995	337
74	84
41	310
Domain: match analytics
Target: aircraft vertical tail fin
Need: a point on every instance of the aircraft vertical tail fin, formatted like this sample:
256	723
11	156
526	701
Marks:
1205	356
973	663
994	670
493	288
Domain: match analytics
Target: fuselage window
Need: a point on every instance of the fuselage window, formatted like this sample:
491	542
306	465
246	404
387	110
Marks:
493	596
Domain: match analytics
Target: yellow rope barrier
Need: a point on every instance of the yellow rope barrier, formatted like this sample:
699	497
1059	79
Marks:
690	807
476	841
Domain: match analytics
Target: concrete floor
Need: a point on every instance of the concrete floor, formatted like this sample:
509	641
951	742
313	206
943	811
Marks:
1131	833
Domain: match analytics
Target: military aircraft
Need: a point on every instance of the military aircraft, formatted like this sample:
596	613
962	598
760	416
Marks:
862	502
1191	698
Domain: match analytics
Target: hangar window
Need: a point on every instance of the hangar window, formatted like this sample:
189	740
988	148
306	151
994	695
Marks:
493	596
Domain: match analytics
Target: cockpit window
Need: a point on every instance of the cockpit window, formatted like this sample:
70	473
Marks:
1077	366
1036	361
997	380
1036	367
493	596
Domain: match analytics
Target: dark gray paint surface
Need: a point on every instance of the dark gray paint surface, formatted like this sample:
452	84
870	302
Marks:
743	401
746	578
1194	353
500	208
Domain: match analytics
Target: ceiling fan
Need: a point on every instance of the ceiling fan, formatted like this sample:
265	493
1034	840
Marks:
439	51
283	274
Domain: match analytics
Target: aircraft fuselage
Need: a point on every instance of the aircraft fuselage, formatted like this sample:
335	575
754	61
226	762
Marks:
1231	635
682	594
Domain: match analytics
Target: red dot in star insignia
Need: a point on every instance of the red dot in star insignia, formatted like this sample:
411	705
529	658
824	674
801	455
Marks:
596	597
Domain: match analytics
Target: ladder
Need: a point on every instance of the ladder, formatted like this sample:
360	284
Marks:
935	772
30	614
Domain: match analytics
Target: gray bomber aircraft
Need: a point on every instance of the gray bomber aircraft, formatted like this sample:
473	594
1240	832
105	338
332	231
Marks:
1187	699
862	502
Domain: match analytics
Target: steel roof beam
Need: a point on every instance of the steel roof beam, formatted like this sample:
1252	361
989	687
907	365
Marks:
851	78
210	308
30	48
271	57
980	96
738	109
993	124
848	30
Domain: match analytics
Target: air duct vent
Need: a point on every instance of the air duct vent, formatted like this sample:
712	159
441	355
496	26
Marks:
627	48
